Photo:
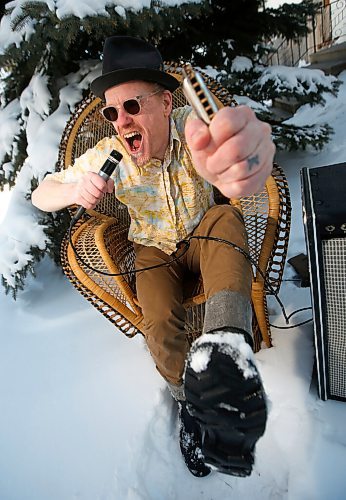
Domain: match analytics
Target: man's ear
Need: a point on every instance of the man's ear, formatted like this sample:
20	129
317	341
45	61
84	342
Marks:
167	102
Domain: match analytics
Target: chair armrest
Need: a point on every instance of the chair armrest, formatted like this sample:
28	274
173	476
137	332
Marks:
102	244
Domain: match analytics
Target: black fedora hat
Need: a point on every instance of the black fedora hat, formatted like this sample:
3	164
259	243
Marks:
126	58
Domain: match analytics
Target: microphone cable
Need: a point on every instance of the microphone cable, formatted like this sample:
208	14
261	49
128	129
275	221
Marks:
186	241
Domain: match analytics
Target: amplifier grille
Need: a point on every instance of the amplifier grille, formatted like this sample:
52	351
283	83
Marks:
334	263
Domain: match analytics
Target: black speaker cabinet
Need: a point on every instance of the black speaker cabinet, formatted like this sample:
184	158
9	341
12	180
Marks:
324	212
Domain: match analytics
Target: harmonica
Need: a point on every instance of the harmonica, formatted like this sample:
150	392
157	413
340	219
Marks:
198	94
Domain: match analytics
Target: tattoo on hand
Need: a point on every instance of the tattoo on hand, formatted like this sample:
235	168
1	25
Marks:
251	162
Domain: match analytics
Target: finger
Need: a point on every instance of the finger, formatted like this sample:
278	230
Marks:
245	168
250	185
197	135
89	193
230	121
88	199
236	149
199	141
226	123
93	184
97	181
86	204
110	186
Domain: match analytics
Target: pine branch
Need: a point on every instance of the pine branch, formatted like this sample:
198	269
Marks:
30	11
291	137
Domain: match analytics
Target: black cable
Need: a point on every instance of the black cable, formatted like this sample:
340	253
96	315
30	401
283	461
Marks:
299	310
290	316
134	271
252	261
174	259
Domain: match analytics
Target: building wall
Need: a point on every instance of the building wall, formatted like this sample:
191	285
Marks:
326	29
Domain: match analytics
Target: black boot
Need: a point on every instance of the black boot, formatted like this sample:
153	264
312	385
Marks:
190	442
224	393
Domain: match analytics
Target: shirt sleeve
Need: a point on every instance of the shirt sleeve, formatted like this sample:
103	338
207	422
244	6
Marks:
90	161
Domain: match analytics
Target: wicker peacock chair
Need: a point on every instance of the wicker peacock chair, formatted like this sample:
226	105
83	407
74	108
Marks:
100	237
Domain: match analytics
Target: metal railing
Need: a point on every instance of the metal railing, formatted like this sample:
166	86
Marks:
325	27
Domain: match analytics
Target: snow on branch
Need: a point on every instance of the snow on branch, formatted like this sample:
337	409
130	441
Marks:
262	83
10	127
24	236
286	81
16	26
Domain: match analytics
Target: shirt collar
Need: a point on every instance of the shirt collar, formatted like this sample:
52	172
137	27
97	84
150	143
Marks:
174	136
174	142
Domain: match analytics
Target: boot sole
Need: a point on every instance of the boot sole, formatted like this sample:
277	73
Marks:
230	408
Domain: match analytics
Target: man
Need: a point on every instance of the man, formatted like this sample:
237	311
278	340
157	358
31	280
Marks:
170	163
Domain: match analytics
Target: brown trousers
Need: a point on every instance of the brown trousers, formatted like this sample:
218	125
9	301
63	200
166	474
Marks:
160	291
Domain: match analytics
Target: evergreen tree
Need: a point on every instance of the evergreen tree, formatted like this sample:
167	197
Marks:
299	85
57	49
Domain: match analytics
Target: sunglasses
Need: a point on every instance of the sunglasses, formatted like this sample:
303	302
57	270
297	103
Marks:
131	106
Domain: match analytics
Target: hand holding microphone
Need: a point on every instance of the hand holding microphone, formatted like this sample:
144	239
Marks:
94	188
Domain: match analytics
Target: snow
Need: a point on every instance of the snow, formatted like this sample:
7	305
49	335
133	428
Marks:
332	110
85	415
229	343
36	97
200	359
275	4
5	197
302	80
66	8
9	127
241	64
22	228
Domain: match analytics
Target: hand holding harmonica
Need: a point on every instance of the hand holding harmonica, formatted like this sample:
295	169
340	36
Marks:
231	148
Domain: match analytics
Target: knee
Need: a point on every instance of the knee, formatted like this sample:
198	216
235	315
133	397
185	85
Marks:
223	220
226	212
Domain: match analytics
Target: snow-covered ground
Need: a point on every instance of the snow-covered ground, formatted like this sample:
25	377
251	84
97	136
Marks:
84	415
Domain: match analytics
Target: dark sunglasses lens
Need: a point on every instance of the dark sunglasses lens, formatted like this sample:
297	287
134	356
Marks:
111	114
132	107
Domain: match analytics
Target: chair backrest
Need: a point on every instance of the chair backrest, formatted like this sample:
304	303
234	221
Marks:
266	214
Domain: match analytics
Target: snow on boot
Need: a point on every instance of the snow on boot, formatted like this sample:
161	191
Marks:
224	393
190	442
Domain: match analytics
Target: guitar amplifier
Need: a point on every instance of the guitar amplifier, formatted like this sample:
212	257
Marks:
324	211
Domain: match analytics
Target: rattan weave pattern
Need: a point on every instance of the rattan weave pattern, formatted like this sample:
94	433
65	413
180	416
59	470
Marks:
108	305
255	213
102	240
86	249
121	251
278	254
195	317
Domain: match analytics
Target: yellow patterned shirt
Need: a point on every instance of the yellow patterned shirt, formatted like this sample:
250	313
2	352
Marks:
166	199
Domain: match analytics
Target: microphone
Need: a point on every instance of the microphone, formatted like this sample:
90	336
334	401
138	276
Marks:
105	172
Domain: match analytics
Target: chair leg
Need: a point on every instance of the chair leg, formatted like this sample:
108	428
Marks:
259	301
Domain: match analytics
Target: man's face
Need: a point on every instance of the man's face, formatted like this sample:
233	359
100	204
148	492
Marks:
146	134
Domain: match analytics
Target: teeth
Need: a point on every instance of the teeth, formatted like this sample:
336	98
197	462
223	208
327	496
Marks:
131	134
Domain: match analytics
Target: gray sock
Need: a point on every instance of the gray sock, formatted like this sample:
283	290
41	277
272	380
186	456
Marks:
177	391
229	311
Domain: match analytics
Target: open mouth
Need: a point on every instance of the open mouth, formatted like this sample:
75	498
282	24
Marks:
134	141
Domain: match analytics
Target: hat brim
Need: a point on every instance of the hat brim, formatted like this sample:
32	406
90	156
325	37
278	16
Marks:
108	80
